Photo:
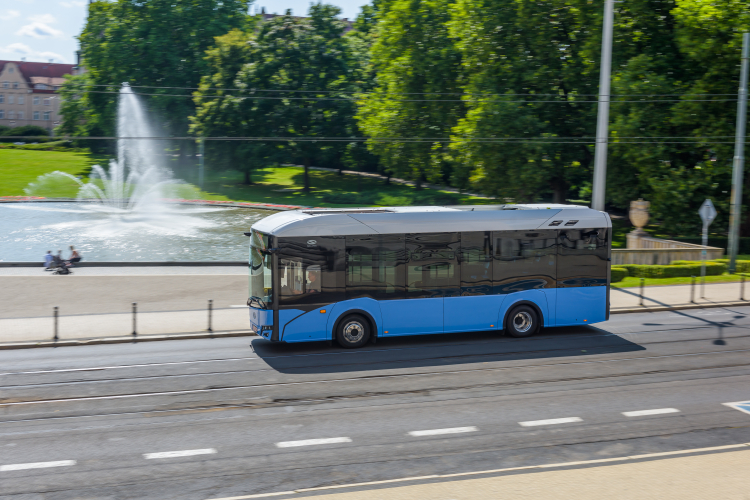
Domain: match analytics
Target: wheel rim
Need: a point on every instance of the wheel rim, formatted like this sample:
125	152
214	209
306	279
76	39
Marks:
522	322
354	331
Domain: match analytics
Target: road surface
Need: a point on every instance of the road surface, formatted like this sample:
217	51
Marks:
217	418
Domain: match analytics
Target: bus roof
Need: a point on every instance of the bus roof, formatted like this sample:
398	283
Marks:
437	219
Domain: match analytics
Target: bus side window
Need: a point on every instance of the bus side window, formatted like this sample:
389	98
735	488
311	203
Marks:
524	260
582	257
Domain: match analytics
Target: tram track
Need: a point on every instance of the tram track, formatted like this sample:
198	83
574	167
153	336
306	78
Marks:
269	395
359	364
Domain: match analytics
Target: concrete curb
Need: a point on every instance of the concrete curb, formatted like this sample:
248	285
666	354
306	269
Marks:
124	340
681	307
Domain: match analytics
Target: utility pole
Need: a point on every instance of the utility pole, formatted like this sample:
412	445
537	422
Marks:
201	163
602	121
739	159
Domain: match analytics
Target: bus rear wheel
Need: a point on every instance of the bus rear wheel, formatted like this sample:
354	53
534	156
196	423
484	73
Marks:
522	322
353	331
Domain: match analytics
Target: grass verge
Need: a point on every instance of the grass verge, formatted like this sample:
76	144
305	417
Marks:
631	282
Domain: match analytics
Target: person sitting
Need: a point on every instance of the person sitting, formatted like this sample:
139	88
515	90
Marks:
57	260
313	285
75	256
48	260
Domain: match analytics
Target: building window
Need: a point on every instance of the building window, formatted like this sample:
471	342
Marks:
46	115
36	115
40	86
46	102
20	115
21	100
11	114
2	114
11	70
11	99
2	98
15	85
36	101
6	85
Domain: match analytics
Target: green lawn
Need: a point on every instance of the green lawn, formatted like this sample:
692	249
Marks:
631	282
279	185
328	189
20	167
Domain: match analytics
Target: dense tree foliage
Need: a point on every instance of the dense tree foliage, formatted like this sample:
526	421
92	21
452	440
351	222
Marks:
158	43
498	96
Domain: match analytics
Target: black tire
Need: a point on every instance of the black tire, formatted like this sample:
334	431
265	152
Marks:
353	331
523	321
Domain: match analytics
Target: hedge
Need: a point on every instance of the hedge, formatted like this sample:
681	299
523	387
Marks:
618	274
674	271
743	266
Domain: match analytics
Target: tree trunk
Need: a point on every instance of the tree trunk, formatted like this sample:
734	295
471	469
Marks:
307	176
248	179
559	190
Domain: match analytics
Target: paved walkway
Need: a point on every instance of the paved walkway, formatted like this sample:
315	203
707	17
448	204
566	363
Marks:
720	475
675	296
97	302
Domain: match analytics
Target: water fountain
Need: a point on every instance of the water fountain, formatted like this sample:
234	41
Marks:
121	212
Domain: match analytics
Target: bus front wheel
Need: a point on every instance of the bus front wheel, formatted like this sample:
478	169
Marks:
522	322
353	331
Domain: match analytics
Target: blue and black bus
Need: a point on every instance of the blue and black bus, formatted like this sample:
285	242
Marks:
356	275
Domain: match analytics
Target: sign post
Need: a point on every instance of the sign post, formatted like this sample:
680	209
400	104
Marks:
708	214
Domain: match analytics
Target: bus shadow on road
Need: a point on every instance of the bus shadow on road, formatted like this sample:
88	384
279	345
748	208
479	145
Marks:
440	350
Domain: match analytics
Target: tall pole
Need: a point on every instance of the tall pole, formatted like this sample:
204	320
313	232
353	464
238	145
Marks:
201	163
602	121
739	159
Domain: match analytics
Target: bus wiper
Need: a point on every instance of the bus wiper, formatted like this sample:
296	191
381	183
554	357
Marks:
261	303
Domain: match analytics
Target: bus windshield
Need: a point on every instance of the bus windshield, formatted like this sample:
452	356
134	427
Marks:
261	287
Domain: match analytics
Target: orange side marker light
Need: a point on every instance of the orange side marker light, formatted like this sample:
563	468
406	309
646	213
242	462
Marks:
322	311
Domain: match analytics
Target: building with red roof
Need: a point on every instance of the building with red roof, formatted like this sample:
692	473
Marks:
28	93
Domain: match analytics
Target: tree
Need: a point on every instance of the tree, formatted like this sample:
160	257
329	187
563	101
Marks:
416	63
157	43
297	85
218	104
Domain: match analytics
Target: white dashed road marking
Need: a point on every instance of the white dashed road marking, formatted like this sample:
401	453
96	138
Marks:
37	465
435	432
658	411
181	453
313	442
551	421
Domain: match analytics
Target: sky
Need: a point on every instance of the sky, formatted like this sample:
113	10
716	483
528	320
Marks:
44	30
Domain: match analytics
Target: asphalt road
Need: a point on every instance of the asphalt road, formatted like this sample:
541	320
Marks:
244	416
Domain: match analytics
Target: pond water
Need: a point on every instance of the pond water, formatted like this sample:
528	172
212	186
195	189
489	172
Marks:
175	233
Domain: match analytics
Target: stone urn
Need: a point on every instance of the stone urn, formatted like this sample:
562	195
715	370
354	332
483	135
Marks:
639	217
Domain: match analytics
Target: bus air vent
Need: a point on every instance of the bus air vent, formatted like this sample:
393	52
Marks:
555	223
571	223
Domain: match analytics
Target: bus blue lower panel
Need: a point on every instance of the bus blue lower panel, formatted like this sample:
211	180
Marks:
472	313
305	326
412	316
581	305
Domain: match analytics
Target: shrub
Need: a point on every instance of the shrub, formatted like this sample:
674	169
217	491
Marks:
743	266
618	274
674	271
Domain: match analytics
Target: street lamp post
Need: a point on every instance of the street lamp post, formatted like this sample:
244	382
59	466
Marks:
602	123
739	158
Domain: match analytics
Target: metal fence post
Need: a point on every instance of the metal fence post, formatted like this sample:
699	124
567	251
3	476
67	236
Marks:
210	311
692	289
55	314
742	287
642	280
135	309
